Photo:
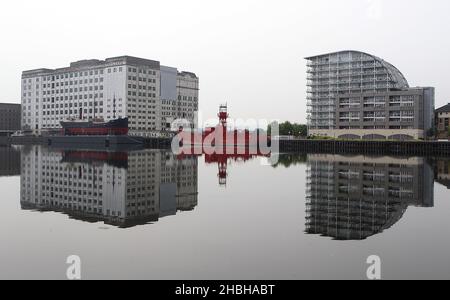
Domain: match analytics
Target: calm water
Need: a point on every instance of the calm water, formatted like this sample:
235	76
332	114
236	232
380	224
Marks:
150	215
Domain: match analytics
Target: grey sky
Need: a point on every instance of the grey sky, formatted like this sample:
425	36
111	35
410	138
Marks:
248	53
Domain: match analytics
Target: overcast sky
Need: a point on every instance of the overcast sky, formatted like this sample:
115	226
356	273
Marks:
246	52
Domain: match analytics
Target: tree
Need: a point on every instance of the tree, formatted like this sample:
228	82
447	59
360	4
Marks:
431	133
288	160
291	129
300	130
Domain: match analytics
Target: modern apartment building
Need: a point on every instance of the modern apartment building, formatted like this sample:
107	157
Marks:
356	95
353	198
9	118
127	190
149	94
442	118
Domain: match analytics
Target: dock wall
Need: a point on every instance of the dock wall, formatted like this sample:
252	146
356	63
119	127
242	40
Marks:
411	148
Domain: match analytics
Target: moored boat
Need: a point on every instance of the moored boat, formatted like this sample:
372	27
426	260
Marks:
95	127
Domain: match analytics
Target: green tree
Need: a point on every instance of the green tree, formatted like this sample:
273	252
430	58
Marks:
288	160
300	130
431	133
288	128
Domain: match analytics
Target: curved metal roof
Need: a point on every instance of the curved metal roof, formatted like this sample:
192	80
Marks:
397	76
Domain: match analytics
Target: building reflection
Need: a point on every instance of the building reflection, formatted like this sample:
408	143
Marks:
442	172
122	189
348	197
353	198
9	161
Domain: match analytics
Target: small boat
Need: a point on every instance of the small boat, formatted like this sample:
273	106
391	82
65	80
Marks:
95	127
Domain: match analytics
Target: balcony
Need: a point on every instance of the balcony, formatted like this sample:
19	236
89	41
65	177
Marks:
393	120
401	178
381	71
374	191
368	65
349	175
373	176
311	77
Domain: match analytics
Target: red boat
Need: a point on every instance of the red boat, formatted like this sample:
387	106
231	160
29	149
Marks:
95	127
221	136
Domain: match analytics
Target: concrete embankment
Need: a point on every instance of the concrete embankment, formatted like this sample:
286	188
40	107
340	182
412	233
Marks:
410	148
407	148
90	141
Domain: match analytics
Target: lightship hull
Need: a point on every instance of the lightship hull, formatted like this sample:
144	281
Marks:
113	127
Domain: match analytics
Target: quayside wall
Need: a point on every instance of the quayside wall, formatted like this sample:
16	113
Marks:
413	148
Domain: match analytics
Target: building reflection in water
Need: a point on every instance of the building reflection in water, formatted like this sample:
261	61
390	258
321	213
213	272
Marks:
353	198
122	189
348	197
9	161
442	172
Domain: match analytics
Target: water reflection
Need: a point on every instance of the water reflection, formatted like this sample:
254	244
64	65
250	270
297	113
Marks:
9	161
122	189
222	161
353	198
347	198
442	172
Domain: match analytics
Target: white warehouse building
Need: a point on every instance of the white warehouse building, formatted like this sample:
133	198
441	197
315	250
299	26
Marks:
150	95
